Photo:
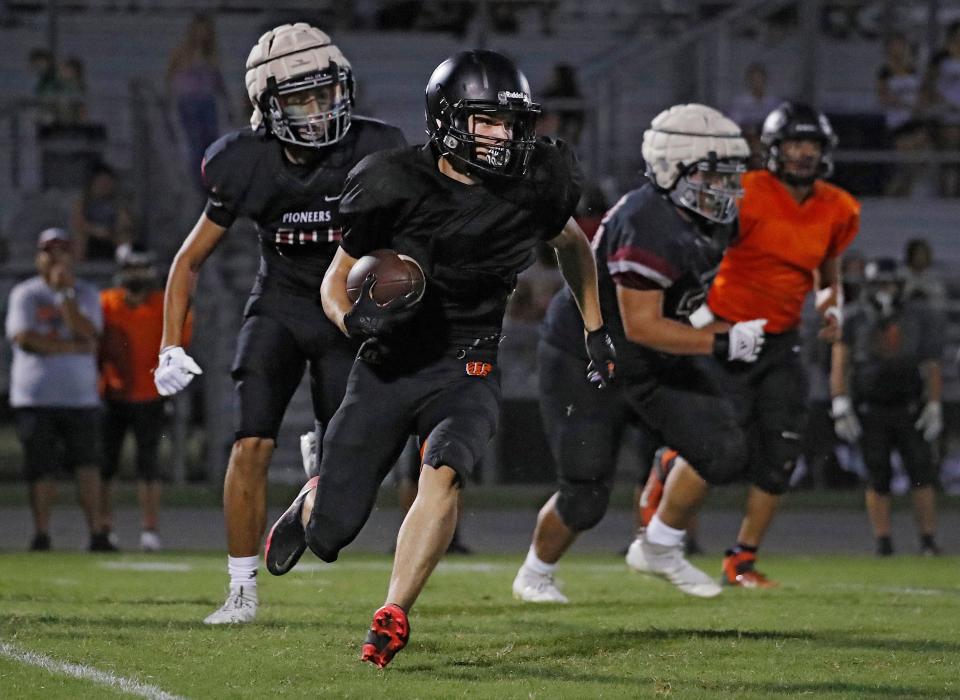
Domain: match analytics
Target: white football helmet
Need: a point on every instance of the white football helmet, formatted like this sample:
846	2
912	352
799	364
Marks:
696	156
301	85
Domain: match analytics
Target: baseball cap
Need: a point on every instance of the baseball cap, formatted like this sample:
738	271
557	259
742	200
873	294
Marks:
52	235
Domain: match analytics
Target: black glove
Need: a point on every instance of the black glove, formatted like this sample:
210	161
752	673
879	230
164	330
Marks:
603	357
369	319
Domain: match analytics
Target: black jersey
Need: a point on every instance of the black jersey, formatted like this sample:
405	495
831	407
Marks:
295	207
643	243
471	240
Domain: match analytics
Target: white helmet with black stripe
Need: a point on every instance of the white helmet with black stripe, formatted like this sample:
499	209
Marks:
696	156
301	86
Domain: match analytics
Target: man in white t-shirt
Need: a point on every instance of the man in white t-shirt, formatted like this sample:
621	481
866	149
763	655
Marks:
53	322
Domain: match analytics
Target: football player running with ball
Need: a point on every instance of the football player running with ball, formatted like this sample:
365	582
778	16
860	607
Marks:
470	207
656	252
793	229
286	173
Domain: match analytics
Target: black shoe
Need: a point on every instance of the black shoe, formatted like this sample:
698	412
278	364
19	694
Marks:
928	547
100	542
40	542
287	541
884	546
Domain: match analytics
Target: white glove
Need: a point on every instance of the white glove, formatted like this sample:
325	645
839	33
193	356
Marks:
930	422
746	340
845	422
175	370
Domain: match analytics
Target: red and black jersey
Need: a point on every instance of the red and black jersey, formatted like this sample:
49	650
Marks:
295	207
471	240
645	243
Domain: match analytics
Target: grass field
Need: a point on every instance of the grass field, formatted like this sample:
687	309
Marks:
839	627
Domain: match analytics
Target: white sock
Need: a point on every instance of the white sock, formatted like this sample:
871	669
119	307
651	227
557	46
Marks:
534	563
658	532
243	572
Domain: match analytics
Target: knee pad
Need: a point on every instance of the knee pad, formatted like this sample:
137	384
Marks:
582	505
776	460
727	459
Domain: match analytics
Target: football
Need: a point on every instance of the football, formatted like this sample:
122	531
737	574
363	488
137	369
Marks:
398	276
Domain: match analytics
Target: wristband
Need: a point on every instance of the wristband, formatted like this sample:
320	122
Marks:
721	346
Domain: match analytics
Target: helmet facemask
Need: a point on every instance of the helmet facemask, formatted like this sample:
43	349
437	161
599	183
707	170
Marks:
312	110
480	154
710	188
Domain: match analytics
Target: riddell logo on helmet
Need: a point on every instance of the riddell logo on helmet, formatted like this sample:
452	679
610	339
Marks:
478	369
505	96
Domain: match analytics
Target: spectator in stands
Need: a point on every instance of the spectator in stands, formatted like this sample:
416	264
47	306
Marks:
942	91
194	83
100	220
899	93
750	108
563	105
132	326
921	280
46	85
53	322
72	92
891	349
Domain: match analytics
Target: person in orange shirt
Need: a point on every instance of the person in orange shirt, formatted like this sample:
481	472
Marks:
793	228
133	324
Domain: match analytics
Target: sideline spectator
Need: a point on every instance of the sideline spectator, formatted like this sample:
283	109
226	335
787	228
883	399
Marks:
750	108
891	349
132	326
100	220
194	82
53	321
921	280
942	87
899	93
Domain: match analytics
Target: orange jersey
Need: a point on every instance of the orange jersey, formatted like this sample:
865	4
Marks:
130	344
767	271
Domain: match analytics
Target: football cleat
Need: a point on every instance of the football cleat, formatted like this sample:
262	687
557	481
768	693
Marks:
739	569
100	542
669	563
532	587
40	542
663	462
287	542
239	607
388	634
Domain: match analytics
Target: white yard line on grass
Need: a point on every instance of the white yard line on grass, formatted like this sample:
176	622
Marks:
88	673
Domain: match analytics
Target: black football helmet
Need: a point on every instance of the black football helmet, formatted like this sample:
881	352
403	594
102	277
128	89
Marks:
481	82
798	122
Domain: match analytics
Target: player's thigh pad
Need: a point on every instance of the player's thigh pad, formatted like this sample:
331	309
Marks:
266	371
876	445
459	422
915	452
780	420
696	421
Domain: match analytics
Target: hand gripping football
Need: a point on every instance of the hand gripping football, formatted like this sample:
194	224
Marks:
398	277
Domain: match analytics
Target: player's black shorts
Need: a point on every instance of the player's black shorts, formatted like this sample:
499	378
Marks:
452	404
55	438
146	420
684	406
889	428
770	398
585	425
281	334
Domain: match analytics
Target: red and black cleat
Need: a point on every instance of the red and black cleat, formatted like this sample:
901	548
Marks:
739	569
652	492
388	634
287	542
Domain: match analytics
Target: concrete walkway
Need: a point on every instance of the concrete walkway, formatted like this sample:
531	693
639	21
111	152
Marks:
501	531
